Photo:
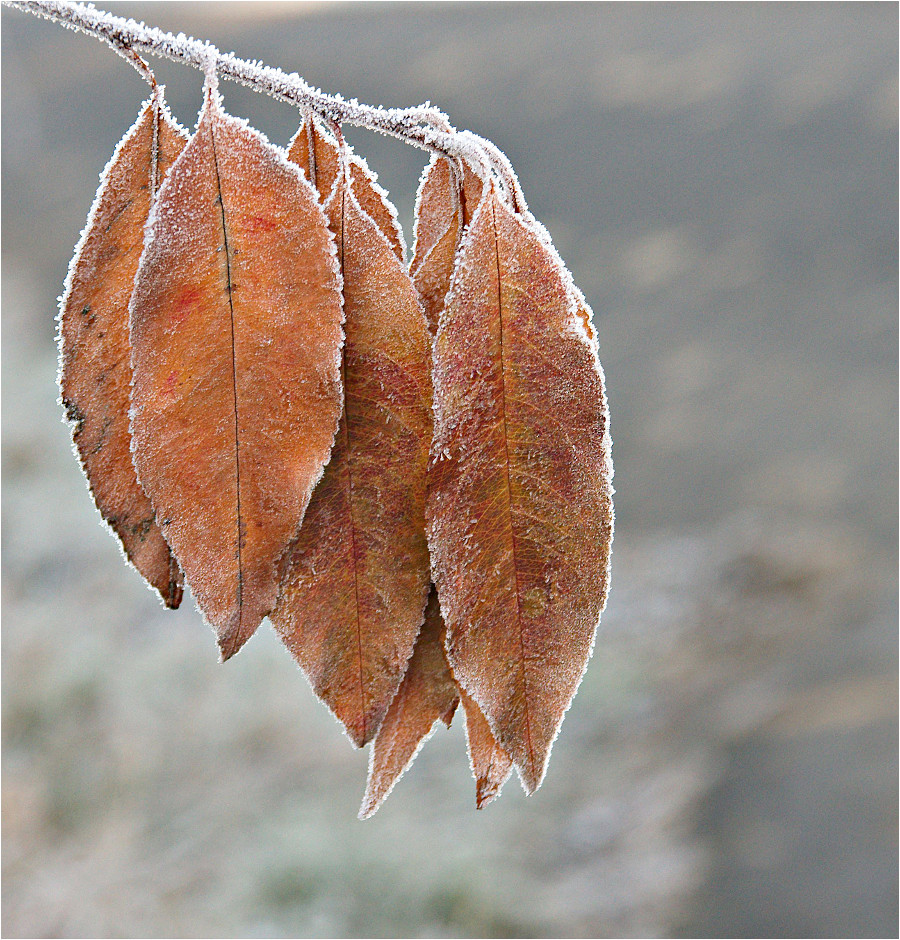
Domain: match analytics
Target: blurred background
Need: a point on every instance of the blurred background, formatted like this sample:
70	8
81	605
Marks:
722	181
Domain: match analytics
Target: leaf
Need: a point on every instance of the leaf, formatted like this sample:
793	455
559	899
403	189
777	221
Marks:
236	335
427	695
443	209
520	510
491	765
320	159
95	351
356	586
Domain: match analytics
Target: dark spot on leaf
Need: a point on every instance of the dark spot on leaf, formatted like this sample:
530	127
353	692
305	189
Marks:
74	414
113	220
141	529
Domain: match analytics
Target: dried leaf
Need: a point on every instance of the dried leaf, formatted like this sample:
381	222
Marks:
520	510
443	209
95	352
236	335
320	159
355	590
427	695
491	765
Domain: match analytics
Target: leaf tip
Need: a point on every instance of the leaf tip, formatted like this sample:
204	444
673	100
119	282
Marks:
172	590
485	794
173	596
360	732
369	807
229	644
447	716
531	776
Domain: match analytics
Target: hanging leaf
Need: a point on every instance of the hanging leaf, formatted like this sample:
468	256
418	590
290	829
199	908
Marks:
520	511
236	335
426	695
95	352
443	209
355	589
491	765
320	159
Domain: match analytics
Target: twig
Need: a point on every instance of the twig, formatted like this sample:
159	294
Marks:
424	126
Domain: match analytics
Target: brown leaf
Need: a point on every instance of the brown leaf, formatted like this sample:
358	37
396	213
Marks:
355	590
491	765
236	335
520	510
426	695
323	171
95	351
443	209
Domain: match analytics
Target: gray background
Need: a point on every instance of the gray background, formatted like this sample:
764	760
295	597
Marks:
722	181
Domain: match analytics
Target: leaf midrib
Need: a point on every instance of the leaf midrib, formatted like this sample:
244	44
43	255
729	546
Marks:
512	532
237	438
359	644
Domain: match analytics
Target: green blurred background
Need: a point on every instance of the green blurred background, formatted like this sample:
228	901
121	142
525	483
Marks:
722	181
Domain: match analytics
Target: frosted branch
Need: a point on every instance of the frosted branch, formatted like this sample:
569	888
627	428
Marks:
424	126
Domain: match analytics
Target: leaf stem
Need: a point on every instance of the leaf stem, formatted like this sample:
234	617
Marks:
143	69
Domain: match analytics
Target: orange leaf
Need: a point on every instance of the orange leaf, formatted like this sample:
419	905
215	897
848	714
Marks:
491	765
426	695
324	169
443	208
236	335
355	590
95	352
520	494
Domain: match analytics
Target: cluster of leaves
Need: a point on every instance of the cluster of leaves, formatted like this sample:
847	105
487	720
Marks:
406	468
